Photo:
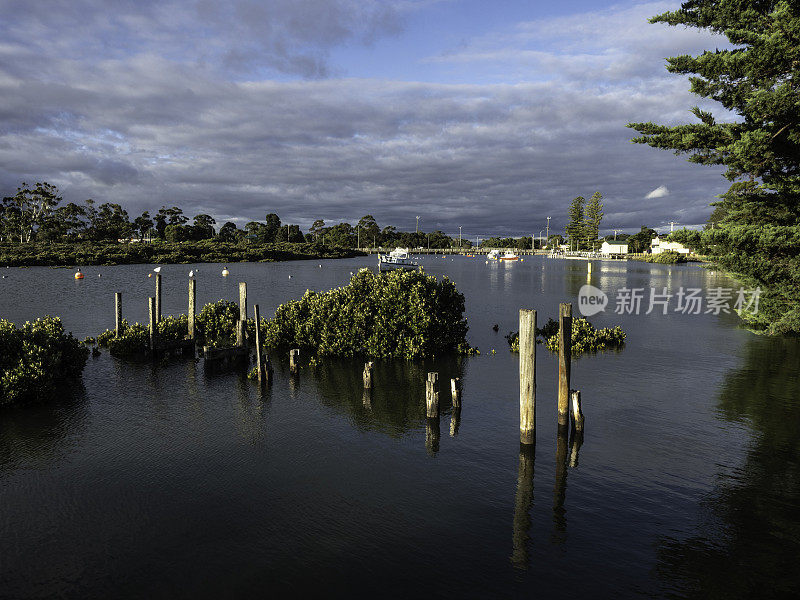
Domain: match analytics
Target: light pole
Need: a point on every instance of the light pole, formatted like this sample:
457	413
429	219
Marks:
417	225
540	238
548	231
459	237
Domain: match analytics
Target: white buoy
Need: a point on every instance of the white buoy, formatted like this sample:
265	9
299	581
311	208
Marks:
290	276
157	270
225	272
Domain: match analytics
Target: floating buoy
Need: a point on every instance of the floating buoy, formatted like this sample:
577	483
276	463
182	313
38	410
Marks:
79	275
225	272
149	274
290	276
99	275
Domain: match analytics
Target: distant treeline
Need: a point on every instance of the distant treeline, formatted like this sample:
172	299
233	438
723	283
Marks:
36	214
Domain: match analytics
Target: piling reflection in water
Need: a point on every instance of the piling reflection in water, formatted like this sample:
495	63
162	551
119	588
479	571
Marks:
560	488
432	435
455	421
522	507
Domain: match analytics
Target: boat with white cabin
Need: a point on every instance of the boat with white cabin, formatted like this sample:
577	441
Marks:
396	259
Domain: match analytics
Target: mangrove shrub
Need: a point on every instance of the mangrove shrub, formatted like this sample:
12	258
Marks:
36	359
585	337
395	314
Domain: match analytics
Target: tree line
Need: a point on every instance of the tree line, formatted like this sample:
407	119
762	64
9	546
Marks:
36	214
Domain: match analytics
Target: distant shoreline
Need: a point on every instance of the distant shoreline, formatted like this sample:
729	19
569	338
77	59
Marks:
206	251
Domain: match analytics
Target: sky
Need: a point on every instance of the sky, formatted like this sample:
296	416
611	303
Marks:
491	116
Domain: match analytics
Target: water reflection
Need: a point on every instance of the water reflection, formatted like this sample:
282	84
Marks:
560	487
396	404
38	436
523	503
750	545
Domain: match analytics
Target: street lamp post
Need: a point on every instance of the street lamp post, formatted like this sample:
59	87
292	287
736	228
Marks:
548	231
417	225
459	237
540	238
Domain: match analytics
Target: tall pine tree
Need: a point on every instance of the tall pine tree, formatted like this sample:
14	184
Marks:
594	214
758	238
576	229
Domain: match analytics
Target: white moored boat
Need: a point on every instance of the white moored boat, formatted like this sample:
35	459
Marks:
396	259
509	256
493	255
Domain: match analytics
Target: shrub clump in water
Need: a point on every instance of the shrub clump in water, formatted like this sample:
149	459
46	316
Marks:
396	314
585	337
36	359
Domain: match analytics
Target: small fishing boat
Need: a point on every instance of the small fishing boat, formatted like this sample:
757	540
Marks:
396	259
509	256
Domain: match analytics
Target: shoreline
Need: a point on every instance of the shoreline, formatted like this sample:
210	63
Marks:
65	255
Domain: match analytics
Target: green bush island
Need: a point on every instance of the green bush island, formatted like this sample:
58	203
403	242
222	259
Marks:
36	359
585	337
396	314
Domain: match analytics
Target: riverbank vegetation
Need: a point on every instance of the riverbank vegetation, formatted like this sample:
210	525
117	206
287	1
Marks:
203	251
586	338
754	232
37	359
663	258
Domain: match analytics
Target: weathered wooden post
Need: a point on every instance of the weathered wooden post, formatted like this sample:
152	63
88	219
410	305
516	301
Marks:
527	376
118	313
158	297
564	361
455	391
192	306
151	304
243	301
368	375
577	413
294	361
432	395
262	375
241	333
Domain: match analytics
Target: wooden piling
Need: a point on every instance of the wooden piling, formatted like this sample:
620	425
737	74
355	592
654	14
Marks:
192	306
243	301
262	376
158	297
432	395
577	413
294	361
151	304
455	391
118	313
368	375
241	333
527	376
564	361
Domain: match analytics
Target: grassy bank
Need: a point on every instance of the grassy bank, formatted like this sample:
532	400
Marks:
205	251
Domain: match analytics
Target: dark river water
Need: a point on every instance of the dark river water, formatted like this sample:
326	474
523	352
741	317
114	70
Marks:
166	482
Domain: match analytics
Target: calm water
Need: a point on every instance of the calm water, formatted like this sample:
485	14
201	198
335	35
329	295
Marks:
166	482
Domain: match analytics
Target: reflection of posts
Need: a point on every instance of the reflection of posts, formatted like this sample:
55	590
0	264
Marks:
560	490
527	376
432	435
294	361
366	398
564	361
522	507
455	421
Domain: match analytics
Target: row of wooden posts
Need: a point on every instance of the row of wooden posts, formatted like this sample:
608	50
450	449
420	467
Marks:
527	359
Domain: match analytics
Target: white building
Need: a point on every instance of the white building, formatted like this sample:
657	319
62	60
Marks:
615	247
657	246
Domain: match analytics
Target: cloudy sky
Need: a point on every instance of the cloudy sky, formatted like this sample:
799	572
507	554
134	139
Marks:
487	115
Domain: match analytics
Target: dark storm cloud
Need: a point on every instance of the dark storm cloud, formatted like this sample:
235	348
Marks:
145	128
